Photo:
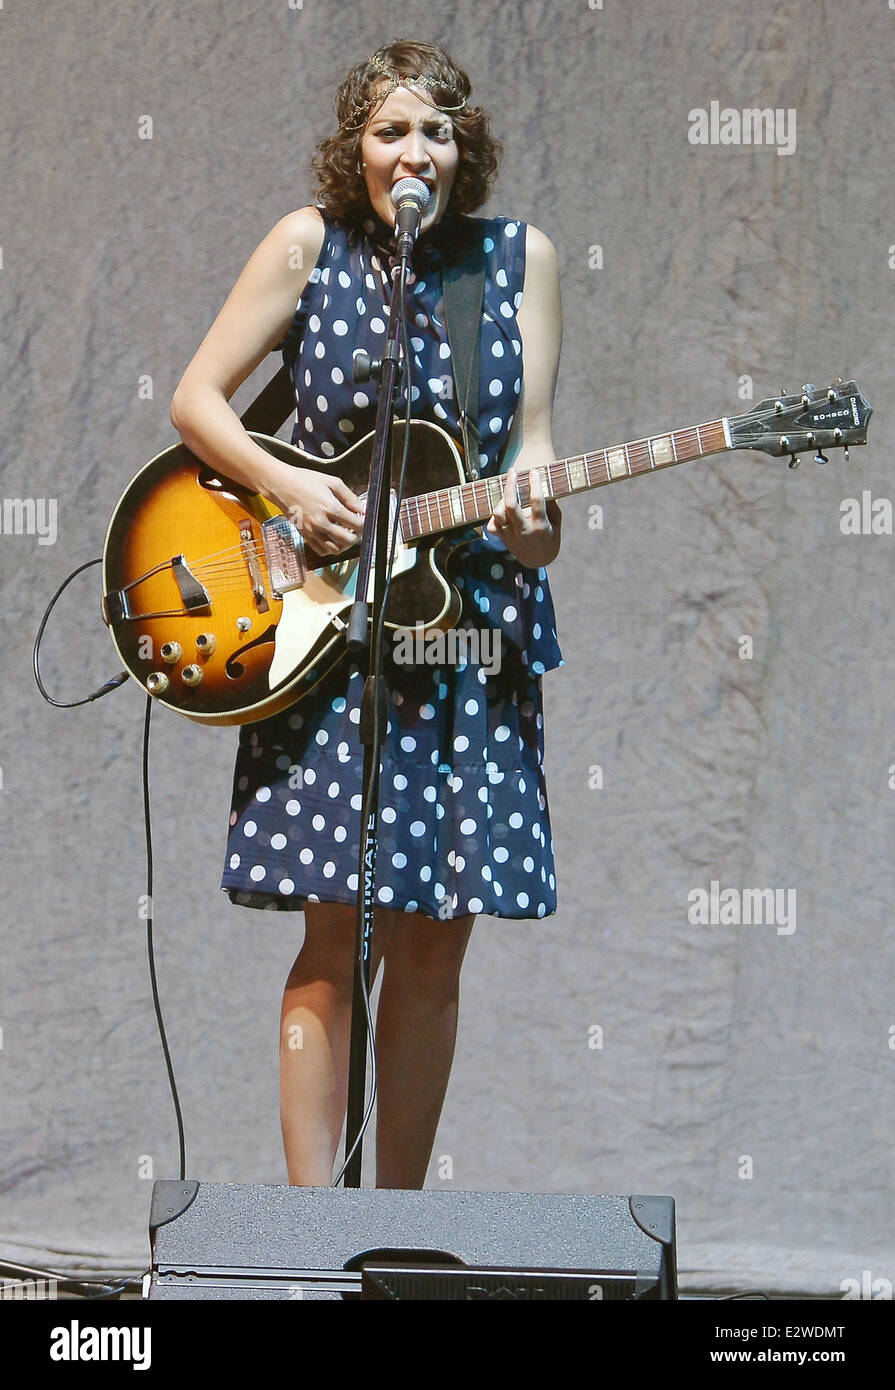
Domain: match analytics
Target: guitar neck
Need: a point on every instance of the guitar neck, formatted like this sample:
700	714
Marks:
470	503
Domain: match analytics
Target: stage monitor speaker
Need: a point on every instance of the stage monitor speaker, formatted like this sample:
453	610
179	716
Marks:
244	1241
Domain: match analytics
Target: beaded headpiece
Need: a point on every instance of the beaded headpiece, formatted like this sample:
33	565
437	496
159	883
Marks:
363	107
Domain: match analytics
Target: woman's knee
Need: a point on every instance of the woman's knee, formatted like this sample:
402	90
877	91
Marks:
427	954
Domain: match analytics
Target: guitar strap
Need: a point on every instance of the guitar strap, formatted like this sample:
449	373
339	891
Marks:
464	289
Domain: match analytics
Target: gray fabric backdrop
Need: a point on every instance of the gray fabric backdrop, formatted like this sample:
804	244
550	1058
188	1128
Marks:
745	1071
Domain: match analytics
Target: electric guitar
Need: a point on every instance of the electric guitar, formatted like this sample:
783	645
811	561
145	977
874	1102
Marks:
221	611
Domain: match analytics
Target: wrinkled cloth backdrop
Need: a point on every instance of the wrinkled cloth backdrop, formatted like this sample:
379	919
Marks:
617	1047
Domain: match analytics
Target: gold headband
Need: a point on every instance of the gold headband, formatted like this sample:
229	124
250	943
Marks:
396	79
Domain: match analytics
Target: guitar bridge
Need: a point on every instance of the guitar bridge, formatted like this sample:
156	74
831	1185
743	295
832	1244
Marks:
284	550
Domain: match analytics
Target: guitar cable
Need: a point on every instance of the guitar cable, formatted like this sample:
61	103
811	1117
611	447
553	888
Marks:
112	684
113	1290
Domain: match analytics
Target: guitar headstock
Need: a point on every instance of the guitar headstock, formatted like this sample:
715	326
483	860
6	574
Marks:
814	419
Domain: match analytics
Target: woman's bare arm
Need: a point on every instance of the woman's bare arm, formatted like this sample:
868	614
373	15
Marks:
534	536
254	318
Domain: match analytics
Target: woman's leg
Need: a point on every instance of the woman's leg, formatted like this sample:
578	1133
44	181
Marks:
314	1039
416	1028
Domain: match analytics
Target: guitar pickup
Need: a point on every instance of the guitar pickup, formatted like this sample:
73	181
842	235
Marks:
284	550
259	593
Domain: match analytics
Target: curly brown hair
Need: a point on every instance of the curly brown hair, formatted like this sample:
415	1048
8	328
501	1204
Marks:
342	190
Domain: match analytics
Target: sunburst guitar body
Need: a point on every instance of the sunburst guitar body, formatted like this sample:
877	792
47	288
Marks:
219	609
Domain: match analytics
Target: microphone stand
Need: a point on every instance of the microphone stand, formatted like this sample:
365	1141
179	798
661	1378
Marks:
366	634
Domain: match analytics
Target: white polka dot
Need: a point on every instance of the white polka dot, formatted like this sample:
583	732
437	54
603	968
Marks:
400	781
319	822
306	856
340	328
293	807
501	733
501	854
385	894
322	403
351	882
329	869
425	873
399	860
361	399
497	349
475	904
426	712
522	899
471	706
257	872
515	820
377	325
417	829
461	743
286	886
528	863
322	737
408	743
388	814
249	828
467	827
509	613
310	776
357	802
278	841
234	861
495	387
337	375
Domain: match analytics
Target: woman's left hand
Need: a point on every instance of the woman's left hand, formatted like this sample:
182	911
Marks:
532	534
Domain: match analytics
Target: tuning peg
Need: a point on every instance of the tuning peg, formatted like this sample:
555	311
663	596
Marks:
794	461
831	394
784	392
820	457
808	387
846	453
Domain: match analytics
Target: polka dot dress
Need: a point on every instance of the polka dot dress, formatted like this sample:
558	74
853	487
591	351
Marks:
464	822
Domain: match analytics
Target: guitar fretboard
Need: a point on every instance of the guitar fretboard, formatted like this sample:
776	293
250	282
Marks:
469	503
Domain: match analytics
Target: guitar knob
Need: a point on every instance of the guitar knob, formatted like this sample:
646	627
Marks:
192	675
206	643
171	652
157	683
243	624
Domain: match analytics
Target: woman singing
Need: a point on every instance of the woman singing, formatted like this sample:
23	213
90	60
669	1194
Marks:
464	825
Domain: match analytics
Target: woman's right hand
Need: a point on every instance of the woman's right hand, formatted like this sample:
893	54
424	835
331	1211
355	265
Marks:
328	514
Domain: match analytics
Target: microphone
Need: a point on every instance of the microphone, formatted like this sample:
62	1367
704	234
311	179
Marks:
411	198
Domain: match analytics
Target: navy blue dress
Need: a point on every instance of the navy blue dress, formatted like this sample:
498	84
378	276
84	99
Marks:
464	822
